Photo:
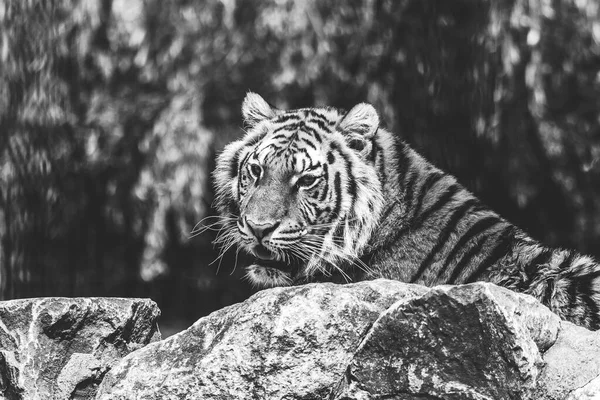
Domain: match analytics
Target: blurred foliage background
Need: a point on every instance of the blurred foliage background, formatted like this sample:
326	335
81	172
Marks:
112	111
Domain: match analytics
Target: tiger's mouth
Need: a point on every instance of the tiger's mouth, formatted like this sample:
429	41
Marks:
275	264
262	253
267	259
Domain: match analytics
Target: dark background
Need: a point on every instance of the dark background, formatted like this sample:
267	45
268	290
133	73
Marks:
111	113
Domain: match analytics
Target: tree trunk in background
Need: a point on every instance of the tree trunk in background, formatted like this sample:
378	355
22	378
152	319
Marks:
36	123
466	82
109	111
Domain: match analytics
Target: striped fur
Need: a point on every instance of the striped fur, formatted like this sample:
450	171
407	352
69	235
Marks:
377	209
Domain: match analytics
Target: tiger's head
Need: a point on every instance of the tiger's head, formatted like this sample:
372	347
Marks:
299	192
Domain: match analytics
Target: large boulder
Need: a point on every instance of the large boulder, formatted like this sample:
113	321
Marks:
369	340
282	343
465	342
61	348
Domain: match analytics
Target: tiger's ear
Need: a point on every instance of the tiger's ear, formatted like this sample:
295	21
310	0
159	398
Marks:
359	127
256	109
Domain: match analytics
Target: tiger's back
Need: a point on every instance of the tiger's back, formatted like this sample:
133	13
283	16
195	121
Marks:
319	194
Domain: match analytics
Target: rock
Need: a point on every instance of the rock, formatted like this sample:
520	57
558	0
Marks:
543	326
60	348
572	365
292	343
360	341
467	342
590	391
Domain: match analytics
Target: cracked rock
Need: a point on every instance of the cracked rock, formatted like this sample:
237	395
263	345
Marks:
61	348
291	343
369	340
464	342
572	369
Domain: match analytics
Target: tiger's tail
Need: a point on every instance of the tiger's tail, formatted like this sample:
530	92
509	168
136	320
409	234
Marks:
565	281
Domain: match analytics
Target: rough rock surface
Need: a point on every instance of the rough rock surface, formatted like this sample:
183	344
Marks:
60	348
463	342
369	340
591	391
572	363
282	343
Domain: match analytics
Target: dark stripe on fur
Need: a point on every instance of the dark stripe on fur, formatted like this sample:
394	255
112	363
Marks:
317	115
403	166
533	267
290	127
572	289
432	178
466	259
326	180
551	283
374	150
309	143
321	124
403	162
548	292
592	311
303	211
279	136
500	250
337	187
438	205
287	117
475	230
232	207
415	224
449	227
317	137
312	167
310	130
246	157
350	178
330	157
409	191
233	164
567	261
379	152
574	285
240	172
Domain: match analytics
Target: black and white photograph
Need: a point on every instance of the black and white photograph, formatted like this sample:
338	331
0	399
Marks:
300	199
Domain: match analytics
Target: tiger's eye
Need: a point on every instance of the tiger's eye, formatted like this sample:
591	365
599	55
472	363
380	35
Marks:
356	144
255	170
306	181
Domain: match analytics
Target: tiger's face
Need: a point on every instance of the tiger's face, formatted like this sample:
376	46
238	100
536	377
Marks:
299	192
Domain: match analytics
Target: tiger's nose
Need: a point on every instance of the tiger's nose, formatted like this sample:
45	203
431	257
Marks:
262	230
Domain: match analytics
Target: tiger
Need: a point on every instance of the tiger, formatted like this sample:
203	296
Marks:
321	194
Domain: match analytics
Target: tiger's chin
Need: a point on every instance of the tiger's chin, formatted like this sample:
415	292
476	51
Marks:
269	274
